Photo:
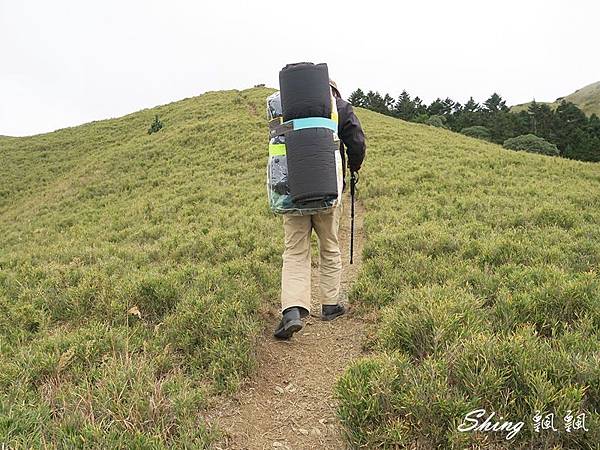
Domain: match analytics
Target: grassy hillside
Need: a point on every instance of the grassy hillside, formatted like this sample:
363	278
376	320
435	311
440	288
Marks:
586	98
525	106
102	219
481	265
136	272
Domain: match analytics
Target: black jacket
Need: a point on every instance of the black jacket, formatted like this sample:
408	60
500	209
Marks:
351	136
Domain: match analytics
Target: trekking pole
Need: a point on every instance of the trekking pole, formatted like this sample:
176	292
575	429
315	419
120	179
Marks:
353	181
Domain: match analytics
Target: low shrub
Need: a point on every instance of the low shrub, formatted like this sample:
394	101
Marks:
156	125
427	321
436	121
533	144
481	268
389	402
478	132
133	275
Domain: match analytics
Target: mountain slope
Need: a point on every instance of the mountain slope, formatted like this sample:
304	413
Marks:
482	268
137	272
587	99
103	219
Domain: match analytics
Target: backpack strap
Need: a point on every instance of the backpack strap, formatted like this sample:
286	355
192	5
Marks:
277	128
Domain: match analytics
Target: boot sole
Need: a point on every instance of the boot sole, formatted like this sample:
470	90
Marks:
333	316
290	328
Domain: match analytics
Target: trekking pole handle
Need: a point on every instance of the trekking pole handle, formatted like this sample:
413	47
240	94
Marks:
353	182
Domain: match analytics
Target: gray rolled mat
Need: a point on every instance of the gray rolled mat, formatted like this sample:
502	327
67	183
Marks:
305	91
311	164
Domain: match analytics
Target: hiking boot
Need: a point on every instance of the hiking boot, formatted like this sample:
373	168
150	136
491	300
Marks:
330	312
291	322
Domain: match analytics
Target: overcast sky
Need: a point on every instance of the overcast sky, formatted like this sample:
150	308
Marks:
65	63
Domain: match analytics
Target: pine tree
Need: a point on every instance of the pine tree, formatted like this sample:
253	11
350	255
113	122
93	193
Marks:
468	115
544	121
449	106
436	108
405	107
375	102
471	106
420	108
568	118
388	101
495	104
533	111
357	98
594	126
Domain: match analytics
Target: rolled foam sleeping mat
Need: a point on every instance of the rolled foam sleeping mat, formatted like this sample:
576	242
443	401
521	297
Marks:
305	91
312	148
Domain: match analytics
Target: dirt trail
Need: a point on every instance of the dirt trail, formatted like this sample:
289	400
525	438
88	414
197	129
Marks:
289	402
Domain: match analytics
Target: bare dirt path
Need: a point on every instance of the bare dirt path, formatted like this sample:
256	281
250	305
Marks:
289	402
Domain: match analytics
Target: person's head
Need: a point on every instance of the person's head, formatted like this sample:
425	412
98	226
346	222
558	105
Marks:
334	89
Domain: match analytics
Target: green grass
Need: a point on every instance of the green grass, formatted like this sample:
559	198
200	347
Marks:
101	218
587	99
481	265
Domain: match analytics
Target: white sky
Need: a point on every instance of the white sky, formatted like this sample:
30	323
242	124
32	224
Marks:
67	62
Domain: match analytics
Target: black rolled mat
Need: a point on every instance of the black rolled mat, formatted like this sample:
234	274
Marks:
305	91
311	164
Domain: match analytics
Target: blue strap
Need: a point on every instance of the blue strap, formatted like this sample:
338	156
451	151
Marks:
314	122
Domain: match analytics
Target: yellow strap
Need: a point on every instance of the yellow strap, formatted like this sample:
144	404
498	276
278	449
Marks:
334	113
277	150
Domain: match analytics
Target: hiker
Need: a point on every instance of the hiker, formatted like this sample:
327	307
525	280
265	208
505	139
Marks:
296	271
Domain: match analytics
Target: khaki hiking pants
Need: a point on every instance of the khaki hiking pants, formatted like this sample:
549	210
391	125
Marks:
295	274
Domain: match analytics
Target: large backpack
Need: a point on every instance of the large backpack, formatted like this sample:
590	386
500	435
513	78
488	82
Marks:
304	170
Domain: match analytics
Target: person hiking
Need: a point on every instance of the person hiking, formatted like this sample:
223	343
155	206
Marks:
296	270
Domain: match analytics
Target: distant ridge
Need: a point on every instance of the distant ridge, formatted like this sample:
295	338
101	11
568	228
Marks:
587	99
